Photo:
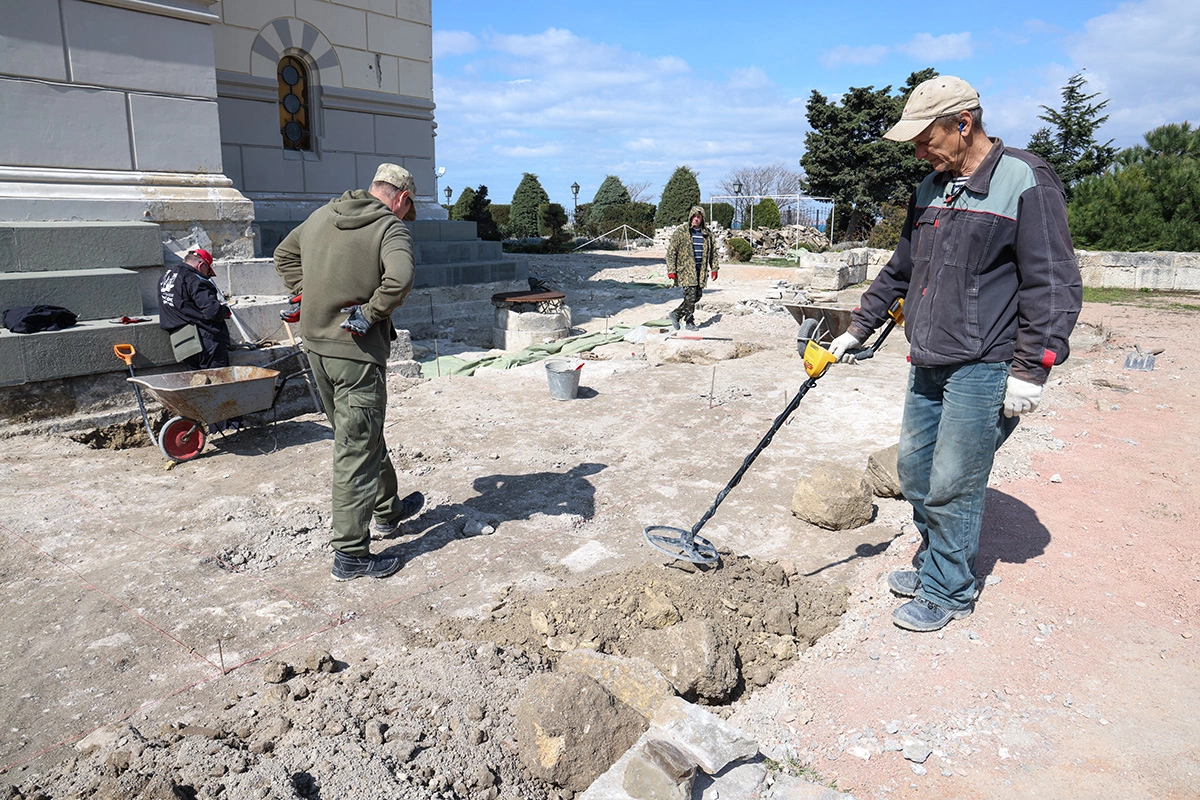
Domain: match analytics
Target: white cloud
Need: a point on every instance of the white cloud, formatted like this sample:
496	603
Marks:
1145	59
928	48
453	43
571	109
858	56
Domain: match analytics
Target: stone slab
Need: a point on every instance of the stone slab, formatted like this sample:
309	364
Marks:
43	246
86	349
90	293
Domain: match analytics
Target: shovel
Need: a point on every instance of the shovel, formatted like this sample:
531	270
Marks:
126	352
1142	360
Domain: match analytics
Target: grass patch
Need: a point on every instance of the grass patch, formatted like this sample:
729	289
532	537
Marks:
790	767
1145	298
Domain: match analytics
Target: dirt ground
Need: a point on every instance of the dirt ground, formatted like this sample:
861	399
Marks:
155	615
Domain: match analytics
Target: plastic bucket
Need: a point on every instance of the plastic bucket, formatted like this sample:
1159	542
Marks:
563	376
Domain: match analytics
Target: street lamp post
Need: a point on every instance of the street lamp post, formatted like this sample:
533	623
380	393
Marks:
448	191
737	205
575	207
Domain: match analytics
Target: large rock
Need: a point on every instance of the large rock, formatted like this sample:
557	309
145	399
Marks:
833	497
570	729
699	662
634	681
659	770
680	350
882	474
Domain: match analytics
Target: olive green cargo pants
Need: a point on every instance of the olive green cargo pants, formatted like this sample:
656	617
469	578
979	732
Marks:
354	394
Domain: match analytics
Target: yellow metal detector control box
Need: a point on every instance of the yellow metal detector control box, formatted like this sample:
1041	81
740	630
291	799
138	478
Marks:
816	359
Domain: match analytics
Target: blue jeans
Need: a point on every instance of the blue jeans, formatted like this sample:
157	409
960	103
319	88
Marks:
953	425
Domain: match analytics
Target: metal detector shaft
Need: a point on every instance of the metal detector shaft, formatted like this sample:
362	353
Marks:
766	440
895	312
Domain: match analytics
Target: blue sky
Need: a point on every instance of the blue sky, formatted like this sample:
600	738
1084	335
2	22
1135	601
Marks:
573	91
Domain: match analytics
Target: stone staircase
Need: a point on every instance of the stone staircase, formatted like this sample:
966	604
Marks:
103	271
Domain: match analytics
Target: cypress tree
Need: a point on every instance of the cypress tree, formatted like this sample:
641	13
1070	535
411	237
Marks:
523	216
611	193
680	194
464	205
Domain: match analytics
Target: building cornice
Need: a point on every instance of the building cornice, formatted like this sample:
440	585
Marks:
190	10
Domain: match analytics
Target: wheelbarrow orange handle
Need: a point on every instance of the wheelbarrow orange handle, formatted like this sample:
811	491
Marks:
125	352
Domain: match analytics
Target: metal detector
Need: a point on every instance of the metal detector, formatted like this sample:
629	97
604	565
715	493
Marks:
689	545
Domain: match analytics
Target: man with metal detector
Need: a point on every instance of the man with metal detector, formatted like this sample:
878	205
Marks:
992	290
348	267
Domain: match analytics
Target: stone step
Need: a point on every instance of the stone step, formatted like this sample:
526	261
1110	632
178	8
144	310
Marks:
83	349
450	252
89	293
44	246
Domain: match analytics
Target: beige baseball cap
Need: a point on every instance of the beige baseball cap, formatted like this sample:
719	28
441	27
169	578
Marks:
397	176
934	98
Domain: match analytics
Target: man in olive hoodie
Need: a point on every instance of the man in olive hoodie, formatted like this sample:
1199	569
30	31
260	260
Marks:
351	265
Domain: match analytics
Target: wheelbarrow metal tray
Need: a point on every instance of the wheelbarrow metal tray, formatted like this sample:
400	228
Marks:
834	320
212	395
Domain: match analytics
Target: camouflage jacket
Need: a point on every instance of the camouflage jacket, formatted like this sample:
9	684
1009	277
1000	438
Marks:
681	258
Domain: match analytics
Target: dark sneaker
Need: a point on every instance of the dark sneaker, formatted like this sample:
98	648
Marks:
409	507
691	326
904	582
922	615
674	320
347	568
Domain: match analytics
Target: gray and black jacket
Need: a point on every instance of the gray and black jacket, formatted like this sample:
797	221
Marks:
987	274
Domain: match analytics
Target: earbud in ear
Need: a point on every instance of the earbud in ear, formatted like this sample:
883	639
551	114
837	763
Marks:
961	125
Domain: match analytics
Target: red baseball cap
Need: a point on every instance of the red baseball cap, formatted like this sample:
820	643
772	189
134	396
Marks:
204	256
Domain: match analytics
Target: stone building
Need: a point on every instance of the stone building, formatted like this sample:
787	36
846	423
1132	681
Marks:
133	130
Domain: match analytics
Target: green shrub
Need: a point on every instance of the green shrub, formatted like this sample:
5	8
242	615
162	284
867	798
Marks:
584	224
766	214
639	216
461	210
523	216
473	205
552	218
611	193
739	249
722	213
886	233
678	196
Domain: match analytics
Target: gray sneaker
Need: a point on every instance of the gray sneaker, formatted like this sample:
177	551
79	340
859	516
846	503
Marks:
347	568
674	320
921	615
409	507
904	582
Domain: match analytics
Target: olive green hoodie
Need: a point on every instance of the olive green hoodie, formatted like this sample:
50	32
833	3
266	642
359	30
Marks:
353	251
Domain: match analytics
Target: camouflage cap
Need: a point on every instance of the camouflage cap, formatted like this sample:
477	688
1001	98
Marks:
397	176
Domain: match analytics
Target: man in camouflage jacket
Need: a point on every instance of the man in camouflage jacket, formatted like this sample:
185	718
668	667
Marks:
691	258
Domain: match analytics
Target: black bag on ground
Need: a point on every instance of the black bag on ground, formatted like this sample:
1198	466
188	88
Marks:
32	319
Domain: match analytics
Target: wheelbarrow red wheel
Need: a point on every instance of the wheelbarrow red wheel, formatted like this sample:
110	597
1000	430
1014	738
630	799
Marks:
181	439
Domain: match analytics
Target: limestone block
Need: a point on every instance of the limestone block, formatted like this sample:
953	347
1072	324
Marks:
407	137
533	321
175	134
834	497
634	681
43	246
249	122
693	656
1187	278
113	46
414	10
1093	276
266	170
570	729
1120	277
328	176
416	78
367	71
1155	278
257	14
838	276
398	37
31	42
67	115
1186	261
659	770
709	740
671	350
348	131
881	472
343	26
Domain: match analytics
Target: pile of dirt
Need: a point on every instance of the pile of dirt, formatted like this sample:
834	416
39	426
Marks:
714	633
434	722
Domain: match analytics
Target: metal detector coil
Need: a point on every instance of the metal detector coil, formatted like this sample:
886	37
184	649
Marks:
684	545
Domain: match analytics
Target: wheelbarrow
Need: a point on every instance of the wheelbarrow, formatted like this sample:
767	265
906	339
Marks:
200	398
819	323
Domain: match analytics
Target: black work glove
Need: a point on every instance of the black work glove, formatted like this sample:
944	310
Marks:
355	322
291	314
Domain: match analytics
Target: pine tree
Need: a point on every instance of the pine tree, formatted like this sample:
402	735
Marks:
847	158
1070	147
766	214
611	193
678	196
523	216
464	205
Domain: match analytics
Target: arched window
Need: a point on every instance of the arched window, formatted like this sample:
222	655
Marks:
293	104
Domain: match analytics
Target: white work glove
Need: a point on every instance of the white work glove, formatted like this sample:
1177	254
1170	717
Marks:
1022	397
841	344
